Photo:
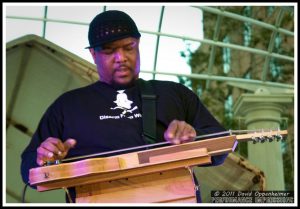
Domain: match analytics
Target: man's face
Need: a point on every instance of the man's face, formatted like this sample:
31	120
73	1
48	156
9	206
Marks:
118	62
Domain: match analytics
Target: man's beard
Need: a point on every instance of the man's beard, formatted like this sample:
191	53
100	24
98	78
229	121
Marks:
123	86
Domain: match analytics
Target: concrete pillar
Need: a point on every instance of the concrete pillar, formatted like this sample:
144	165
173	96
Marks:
262	110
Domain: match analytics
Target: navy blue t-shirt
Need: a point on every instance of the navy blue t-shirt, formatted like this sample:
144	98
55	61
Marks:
102	118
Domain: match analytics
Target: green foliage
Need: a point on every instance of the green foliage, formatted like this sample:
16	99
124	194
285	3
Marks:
214	94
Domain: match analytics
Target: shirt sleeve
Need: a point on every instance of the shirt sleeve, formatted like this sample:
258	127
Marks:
49	125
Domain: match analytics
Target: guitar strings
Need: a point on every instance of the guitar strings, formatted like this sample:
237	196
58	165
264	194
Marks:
230	132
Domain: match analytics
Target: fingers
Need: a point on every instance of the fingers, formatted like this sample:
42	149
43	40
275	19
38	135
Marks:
53	146
53	149
40	162
44	155
69	143
48	149
171	131
179	132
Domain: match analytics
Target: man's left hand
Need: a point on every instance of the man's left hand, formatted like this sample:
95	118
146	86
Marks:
179	132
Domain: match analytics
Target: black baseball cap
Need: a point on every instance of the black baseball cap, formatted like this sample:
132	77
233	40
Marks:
110	26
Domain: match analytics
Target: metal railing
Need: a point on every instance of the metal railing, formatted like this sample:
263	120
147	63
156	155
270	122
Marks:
268	54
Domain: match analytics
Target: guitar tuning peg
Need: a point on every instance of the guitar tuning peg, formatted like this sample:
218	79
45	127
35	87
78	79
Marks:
271	138
262	139
254	139
56	162
278	137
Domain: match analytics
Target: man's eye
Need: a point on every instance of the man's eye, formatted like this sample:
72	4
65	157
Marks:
128	48
107	51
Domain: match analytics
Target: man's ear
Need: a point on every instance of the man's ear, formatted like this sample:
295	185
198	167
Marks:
93	53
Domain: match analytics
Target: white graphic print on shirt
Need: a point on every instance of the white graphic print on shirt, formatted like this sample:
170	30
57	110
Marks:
122	104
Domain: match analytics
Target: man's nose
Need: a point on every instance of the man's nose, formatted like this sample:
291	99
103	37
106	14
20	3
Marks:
120	55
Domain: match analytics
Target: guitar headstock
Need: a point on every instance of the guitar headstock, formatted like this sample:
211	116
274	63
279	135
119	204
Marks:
263	136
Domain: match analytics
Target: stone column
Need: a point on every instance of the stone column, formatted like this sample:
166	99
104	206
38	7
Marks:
262	110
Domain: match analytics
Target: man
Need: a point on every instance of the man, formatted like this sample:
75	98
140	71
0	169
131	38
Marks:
108	114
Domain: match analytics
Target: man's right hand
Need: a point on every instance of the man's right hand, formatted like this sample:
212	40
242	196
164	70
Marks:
53	149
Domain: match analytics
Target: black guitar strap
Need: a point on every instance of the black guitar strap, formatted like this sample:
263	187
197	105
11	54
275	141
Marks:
148	110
